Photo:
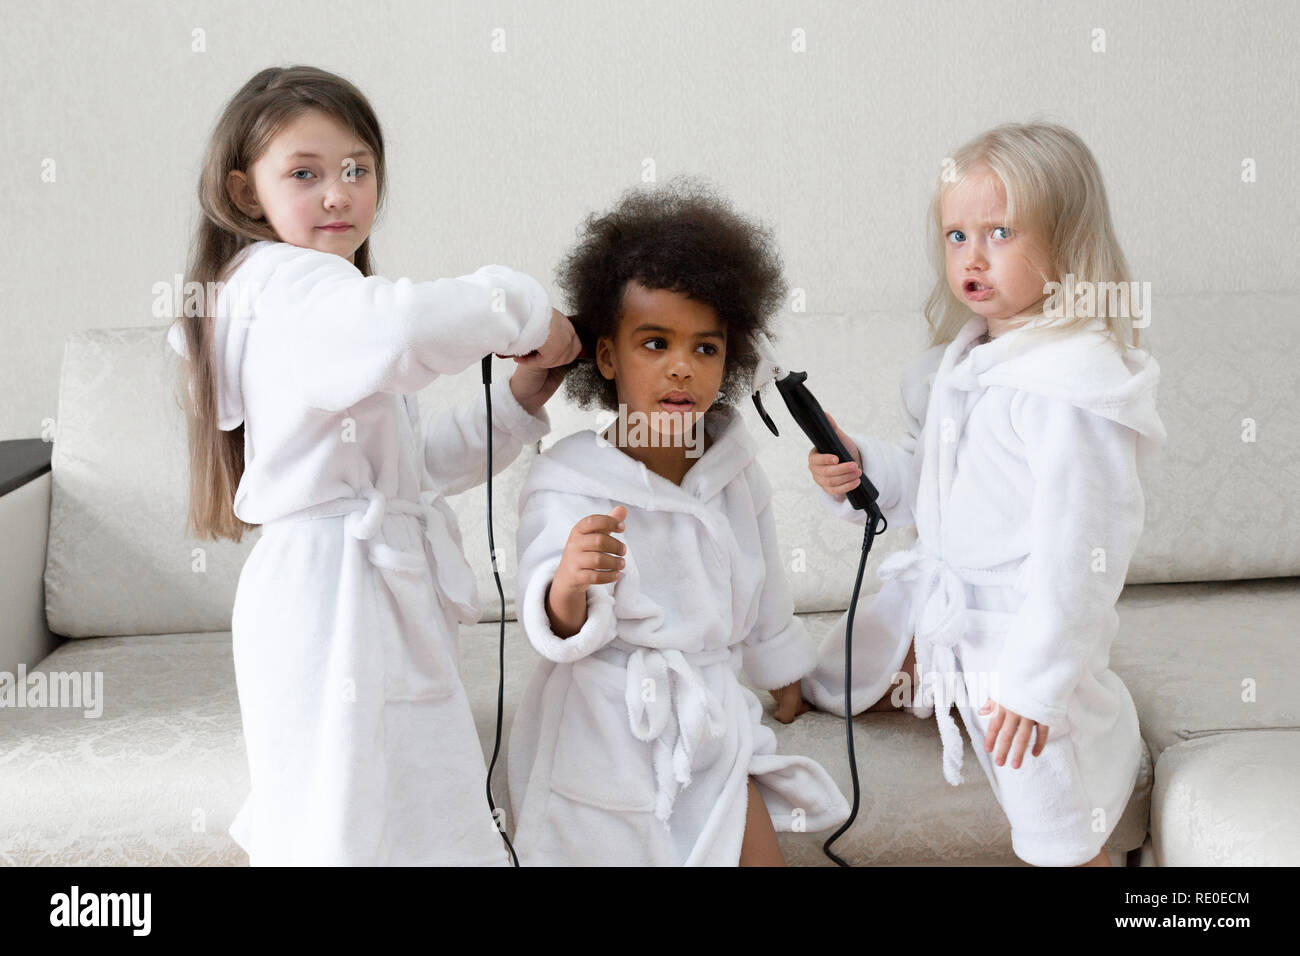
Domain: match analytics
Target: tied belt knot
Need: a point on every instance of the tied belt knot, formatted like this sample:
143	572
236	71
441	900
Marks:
365	516
940	618
675	712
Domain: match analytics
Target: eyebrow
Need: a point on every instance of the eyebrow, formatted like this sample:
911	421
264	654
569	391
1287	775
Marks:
1000	222
659	328
304	154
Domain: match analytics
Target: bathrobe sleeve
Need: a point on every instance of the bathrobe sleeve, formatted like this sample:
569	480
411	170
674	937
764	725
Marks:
455	442
1085	521
545	520
345	336
777	650
889	466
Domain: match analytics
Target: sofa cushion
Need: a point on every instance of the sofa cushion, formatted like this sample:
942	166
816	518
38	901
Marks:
1221	500
118	560
155	779
158	777
1203	659
1228	800
119	563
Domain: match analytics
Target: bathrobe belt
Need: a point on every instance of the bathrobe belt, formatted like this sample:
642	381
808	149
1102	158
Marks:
452	574
940	618
670	706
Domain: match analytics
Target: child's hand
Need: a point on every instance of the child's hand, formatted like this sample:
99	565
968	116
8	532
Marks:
591	555
789	703
833	476
1014	734
540	372
561	347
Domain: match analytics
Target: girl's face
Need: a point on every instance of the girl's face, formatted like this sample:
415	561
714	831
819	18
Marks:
314	175
668	354
997	272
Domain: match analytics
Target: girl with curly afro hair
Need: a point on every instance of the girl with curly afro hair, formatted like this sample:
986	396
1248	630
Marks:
636	742
678	251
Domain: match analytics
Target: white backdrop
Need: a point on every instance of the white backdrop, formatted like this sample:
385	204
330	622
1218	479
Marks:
827	120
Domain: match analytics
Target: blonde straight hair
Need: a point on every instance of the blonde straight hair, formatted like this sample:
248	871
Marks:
1054	188
248	124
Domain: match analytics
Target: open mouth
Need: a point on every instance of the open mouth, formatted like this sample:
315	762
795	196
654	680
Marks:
974	289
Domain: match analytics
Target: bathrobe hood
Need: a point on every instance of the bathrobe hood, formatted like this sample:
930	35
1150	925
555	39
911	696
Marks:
1086	369
229	336
568	467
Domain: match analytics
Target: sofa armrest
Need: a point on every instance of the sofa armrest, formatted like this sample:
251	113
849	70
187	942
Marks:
25	484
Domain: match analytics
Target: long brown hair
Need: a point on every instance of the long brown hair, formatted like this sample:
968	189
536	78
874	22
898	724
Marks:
248	124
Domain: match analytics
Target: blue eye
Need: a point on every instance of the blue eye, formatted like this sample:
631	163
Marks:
295	173
956	232
1001	229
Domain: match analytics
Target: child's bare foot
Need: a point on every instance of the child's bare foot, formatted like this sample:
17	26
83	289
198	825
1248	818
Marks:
789	703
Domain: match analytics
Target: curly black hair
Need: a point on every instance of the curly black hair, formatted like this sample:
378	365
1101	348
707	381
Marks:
680	237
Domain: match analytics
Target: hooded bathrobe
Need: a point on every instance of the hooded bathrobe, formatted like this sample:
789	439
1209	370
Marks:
361	746
1020	475
635	740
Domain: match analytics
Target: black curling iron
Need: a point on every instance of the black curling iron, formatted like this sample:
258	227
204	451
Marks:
808	415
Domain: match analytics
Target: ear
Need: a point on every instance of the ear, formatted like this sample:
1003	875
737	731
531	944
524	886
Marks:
605	356
240	190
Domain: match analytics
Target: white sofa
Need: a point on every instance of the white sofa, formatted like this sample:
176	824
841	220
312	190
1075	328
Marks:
1207	642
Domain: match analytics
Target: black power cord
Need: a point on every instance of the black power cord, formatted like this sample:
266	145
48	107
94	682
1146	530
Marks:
809	415
867	538
501	646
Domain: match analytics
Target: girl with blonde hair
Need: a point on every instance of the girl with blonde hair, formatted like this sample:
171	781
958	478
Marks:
1026	421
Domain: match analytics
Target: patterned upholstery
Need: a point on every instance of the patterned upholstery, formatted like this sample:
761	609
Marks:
1212	667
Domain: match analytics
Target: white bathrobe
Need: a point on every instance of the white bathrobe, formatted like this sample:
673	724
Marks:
635	740
1020	475
361	746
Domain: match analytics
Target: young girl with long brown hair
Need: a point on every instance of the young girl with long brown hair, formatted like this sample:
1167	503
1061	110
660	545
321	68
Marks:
300	373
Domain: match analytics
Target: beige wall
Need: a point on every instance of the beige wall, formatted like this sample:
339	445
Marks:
498	156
